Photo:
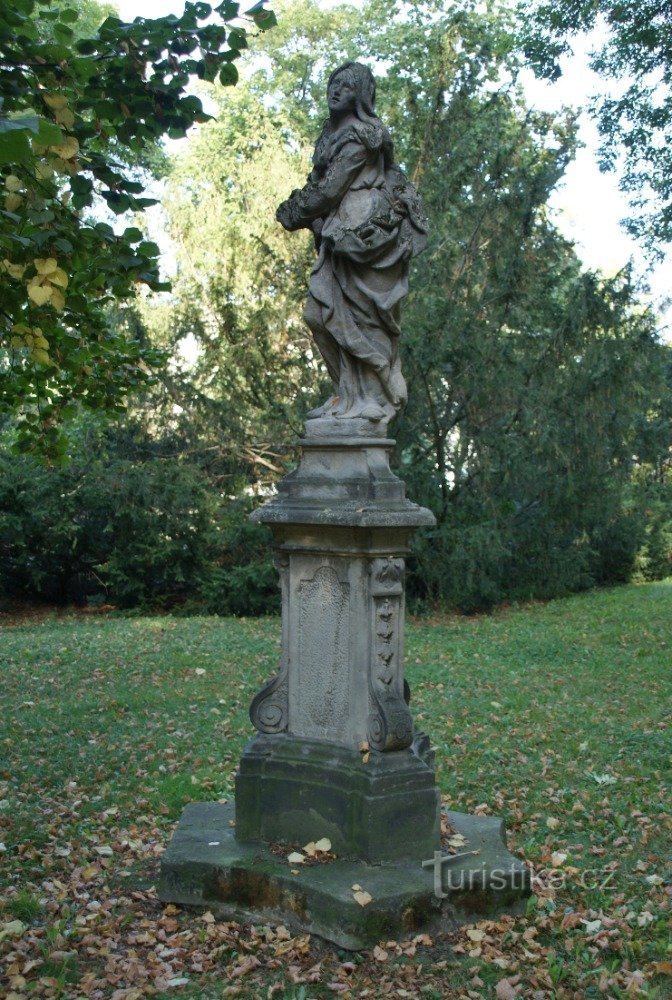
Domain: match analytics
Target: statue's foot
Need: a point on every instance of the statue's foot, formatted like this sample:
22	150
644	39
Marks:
370	411
322	411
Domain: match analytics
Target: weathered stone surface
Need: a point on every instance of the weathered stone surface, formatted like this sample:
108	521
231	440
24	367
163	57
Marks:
367	222
296	790
344	482
341	525
205	866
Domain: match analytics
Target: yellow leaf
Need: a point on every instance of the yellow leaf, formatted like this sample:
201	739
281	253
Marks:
45	265
457	841
55	101
12	183
362	897
16	343
43	171
41	343
14	270
40	294
41	357
57	299
65	117
12	201
66	150
21	328
59	277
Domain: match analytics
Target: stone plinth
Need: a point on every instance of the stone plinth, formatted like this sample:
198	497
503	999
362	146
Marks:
336	753
341	526
206	866
376	809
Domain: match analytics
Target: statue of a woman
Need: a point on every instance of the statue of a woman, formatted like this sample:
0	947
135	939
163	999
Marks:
368	222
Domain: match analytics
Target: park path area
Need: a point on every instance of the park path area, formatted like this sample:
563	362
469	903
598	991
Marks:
555	716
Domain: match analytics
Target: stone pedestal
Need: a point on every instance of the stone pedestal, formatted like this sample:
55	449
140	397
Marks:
336	753
382	809
341	527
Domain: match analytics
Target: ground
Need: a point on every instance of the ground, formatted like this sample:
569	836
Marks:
555	716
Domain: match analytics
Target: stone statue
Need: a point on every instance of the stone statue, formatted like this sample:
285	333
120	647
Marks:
367	221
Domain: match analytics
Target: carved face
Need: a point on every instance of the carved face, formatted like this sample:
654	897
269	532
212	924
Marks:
341	95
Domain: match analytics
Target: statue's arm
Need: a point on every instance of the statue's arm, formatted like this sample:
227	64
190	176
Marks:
319	197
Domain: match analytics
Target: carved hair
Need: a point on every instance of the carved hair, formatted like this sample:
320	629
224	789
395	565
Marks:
364	85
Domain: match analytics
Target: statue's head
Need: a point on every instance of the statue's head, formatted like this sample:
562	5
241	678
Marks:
358	80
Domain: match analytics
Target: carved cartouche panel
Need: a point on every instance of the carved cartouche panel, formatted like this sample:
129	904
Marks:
322	693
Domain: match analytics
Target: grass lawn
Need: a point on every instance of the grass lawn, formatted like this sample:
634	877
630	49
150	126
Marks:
555	716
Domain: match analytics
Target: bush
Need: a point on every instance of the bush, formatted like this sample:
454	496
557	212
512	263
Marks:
131	532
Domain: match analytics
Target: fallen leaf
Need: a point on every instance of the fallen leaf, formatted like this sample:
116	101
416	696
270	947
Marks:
379	954
323	845
14	928
296	859
242	970
505	991
552	823
362	897
457	840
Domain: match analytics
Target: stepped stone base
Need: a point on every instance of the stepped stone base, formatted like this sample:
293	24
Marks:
206	866
382	808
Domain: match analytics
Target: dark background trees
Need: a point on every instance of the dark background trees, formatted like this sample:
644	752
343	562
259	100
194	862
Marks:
538	423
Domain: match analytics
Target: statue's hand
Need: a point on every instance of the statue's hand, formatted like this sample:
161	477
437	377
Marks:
286	213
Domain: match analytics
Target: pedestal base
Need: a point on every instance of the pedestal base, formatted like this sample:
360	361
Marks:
375	808
206	866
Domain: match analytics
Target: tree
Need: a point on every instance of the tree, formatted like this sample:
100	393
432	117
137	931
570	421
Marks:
237	294
636	123
530	378
77	117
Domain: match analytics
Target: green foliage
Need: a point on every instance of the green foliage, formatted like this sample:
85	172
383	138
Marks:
636	121
536	388
77	115
237	295
127	525
532	382
244	581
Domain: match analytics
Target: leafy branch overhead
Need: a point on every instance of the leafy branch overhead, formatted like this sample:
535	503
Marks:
78	118
633	47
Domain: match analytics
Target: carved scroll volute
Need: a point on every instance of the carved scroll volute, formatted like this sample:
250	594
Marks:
269	710
390	726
